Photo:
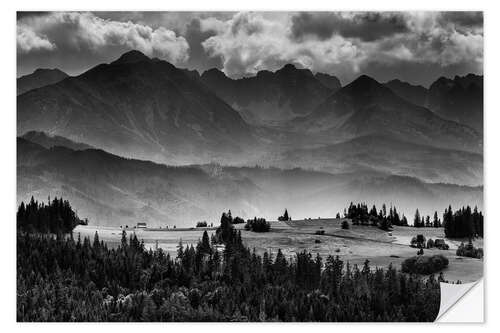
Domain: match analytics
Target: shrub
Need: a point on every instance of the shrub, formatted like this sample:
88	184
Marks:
258	225
469	251
424	264
430	243
201	224
418	241
345	224
440	244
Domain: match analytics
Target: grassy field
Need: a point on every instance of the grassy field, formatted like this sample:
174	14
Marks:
354	245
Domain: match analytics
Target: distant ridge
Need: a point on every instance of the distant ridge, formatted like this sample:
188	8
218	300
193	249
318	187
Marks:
39	78
49	141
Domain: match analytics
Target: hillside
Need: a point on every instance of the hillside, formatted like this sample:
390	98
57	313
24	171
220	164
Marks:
111	190
383	154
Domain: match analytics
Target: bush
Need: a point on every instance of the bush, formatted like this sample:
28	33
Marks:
469	251
440	244
424	264
258	225
418	241
430	243
201	224
345	224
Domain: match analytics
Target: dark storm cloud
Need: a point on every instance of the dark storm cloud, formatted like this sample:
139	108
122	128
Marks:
21	15
365	26
464	19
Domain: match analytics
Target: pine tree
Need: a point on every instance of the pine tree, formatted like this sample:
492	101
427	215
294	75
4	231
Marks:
416	220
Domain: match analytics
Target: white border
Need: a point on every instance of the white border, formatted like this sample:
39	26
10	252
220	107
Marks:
8	149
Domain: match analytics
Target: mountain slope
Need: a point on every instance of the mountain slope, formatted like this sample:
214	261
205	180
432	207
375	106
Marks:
111	190
390	156
39	78
270	97
329	81
412	93
366	107
137	106
460	99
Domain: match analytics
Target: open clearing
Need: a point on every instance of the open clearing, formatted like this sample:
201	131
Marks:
354	245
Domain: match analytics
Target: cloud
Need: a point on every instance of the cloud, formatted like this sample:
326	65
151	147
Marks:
463	19
85	31
423	45
346	43
28	40
250	42
365	26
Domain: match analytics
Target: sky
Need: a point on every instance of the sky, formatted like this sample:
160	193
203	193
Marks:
417	47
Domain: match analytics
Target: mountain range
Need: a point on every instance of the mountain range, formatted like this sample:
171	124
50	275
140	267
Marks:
366	107
137	106
140	139
272	96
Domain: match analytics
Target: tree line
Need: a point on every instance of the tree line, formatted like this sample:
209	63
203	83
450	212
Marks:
463	223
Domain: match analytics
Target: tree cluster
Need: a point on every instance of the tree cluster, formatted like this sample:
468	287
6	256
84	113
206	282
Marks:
56	216
463	223
425	221
384	219
285	216
258	225
468	250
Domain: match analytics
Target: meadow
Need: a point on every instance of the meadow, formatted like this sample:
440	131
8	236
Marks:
354	245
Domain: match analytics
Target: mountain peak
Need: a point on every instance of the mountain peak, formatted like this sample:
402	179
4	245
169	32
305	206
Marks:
364	83
131	57
39	78
214	73
49	70
365	79
288	67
